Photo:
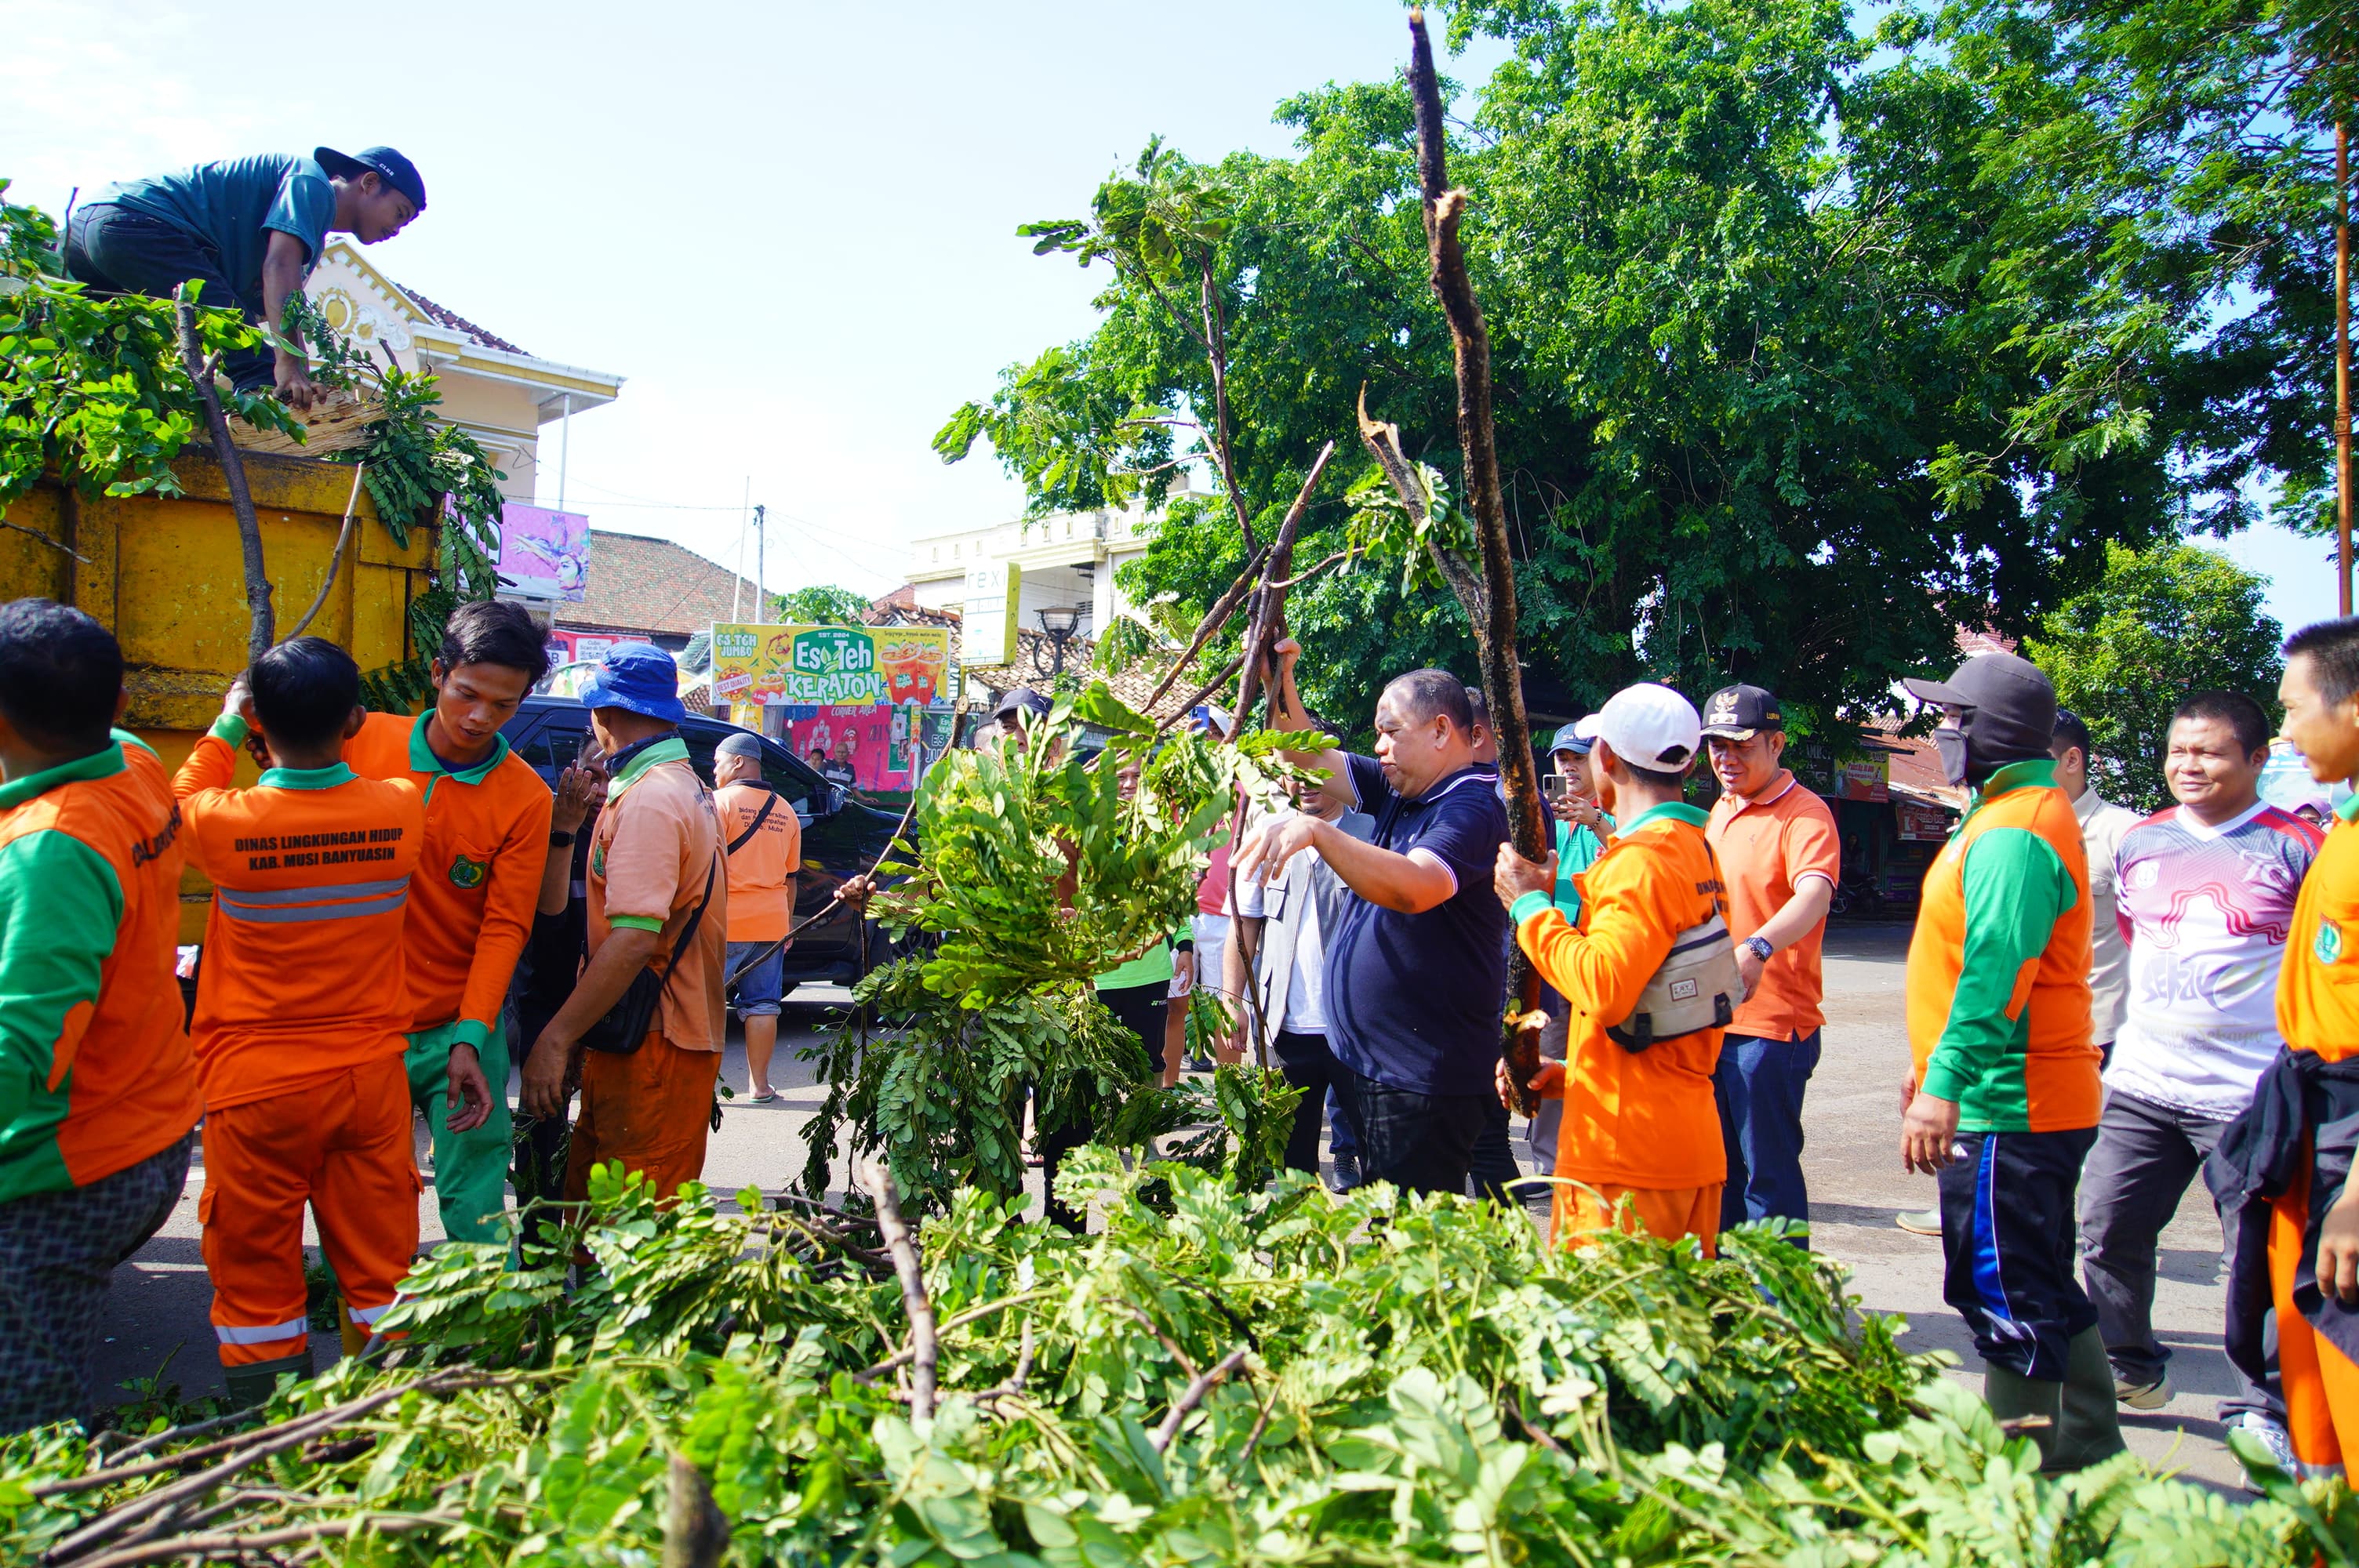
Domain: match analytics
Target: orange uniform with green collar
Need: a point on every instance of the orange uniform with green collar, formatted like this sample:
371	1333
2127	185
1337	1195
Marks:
1998	967
1643	1119
471	906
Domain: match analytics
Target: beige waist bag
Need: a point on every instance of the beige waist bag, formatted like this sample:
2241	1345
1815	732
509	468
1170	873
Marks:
1697	988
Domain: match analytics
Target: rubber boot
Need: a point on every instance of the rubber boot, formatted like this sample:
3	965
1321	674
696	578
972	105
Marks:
253	1383
2013	1397
353	1336
2091	1432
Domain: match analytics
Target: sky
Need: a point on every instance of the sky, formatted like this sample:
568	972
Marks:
791	227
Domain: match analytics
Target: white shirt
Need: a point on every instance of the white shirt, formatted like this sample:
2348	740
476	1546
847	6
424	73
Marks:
1306	990
2101	826
2209	911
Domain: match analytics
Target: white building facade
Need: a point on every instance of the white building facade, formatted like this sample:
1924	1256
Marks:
1069	560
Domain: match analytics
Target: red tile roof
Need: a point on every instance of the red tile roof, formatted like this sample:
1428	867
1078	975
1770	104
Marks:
653	586
445	317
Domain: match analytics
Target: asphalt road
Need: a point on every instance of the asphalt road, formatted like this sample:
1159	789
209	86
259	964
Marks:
158	1310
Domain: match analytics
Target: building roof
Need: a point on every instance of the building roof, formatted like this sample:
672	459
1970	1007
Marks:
640	584
445	317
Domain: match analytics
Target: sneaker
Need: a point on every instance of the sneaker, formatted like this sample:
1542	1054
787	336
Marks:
2139	1396
2272	1437
1198	1063
1926	1222
1347	1173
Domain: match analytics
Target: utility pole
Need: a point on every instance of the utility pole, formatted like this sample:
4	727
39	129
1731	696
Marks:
2343	363
737	589
761	565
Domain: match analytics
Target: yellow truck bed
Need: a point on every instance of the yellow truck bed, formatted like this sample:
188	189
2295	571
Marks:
166	575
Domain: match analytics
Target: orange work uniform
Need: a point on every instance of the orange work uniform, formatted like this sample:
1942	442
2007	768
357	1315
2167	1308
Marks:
471	910
1637	1124
95	1071
2317	1011
762	871
655	851
301	1004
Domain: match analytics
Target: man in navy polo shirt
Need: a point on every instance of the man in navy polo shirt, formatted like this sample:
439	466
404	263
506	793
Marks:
1418	963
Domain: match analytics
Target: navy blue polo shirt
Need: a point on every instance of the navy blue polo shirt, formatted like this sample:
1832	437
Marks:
1413	1000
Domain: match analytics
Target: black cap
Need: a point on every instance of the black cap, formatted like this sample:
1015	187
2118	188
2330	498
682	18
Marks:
384	162
1740	712
2013	703
1023	699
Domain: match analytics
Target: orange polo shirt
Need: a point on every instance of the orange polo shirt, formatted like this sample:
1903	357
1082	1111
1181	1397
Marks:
303	976
486	844
1642	1118
655	842
1768	845
2318	988
761	871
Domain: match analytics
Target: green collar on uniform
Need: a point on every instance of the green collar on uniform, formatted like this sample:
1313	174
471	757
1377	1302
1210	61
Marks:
2038	771
422	758
329	777
1669	811
103	764
671	749
2349	810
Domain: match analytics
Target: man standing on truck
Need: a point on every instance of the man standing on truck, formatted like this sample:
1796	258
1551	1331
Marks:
301	1008
471	910
98	1089
250	230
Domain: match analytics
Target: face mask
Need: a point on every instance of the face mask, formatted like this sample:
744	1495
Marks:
1952	744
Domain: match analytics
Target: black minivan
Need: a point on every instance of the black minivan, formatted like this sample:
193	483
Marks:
842	837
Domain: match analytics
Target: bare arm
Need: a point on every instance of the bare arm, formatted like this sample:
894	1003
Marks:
603	980
282	276
1286	712
1410	883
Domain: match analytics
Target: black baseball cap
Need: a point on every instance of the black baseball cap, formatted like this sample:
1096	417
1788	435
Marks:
1023	699
384	162
2013	700
1740	712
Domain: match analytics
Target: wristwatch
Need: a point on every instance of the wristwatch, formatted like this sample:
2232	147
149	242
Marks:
1761	948
558	839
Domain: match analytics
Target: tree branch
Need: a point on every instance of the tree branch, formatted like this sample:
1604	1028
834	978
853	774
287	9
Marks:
1214	619
1204	1383
336	557
924	1346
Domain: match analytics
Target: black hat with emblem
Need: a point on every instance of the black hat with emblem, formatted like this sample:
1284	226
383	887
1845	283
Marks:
1740	712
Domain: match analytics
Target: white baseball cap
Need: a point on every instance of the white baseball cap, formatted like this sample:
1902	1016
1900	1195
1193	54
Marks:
1649	726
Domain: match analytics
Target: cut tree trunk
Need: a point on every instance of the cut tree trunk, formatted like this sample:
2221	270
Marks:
1494	617
261	622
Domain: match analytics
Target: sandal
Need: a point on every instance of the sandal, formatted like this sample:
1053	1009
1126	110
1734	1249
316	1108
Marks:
765	1096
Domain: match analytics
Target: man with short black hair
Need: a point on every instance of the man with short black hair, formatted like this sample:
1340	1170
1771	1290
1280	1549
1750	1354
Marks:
763	838
1778	853
98	1089
249	230
2284	1166
2207	895
302	1007
487	842
1416	967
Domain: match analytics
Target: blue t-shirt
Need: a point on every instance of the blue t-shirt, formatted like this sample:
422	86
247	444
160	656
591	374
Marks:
233	205
1413	1000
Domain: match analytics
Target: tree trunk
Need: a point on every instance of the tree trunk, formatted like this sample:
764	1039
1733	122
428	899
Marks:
261	623
1494	622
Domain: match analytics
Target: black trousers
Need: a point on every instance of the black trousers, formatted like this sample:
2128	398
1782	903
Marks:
1424	1144
2008	1238
116	250
1312	1067
2145	1156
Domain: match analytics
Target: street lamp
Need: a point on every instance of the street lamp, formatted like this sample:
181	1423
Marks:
1059	625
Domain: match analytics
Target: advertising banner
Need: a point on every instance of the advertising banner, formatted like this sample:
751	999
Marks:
850	700
544	554
991	616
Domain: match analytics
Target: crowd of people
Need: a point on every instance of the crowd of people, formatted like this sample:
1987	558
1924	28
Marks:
2100	1006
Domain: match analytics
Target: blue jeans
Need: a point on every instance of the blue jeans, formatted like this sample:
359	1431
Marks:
1759	1086
761	989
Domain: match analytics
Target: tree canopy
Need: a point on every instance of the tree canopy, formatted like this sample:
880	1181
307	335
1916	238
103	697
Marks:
2159	624
1811	344
821	604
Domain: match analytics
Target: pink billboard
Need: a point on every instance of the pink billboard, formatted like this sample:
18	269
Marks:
544	554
